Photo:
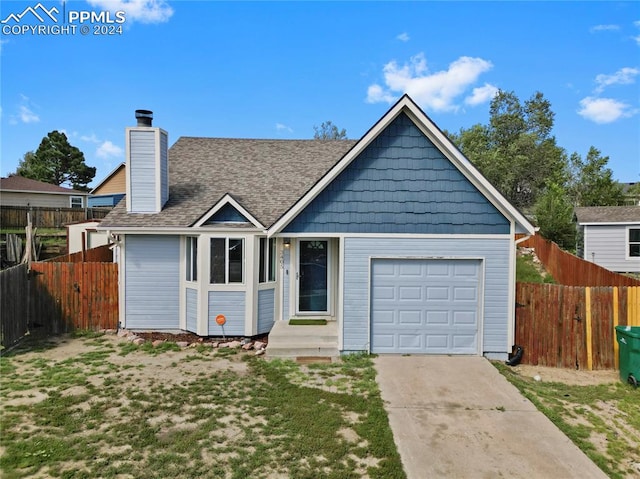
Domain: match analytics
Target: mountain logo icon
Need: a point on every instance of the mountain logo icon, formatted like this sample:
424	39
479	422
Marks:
39	11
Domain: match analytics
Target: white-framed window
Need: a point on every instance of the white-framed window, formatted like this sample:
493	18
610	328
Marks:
267	268
76	202
191	258
634	243
226	260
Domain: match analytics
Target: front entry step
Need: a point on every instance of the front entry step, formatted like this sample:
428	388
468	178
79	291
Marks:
288	341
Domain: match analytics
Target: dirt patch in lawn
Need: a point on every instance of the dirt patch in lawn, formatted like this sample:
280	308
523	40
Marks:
104	406
572	377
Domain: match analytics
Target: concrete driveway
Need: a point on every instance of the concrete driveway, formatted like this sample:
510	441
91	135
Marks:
458	417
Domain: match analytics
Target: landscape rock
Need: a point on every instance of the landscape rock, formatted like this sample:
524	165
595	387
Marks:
131	337
138	341
234	344
258	345
157	343
247	346
182	344
260	352
123	333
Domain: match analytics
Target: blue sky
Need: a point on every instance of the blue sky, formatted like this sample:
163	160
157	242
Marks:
274	70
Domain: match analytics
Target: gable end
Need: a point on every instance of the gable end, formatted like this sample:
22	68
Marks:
400	183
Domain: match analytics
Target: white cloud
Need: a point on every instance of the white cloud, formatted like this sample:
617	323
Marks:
143	11
108	150
376	94
282	127
403	37
624	76
604	110
604	28
437	91
481	95
27	116
90	138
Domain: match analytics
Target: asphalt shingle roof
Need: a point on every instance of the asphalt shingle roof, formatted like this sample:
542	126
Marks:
608	214
19	183
266	177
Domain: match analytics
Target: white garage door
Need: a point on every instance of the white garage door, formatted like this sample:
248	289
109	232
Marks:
425	306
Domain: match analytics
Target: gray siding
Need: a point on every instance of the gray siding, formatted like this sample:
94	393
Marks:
231	304
15	198
142	174
494	297
266	310
164	168
401	183
152	280
609	243
191	304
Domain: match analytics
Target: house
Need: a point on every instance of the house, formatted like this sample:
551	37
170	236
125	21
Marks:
395	239
20	191
110	190
611	236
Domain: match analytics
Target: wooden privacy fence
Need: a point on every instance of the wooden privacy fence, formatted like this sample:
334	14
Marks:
57	297
573	271
573	327
41	217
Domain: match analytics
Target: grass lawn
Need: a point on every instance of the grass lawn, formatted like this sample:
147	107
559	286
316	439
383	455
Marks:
99	406
603	420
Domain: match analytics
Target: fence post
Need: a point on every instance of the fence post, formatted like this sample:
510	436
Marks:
633	306
587	300
616	321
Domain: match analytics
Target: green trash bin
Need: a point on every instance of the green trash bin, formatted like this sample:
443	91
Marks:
628	338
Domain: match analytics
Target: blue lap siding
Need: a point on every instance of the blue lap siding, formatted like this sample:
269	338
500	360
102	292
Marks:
231	304
152	276
192	310
266	310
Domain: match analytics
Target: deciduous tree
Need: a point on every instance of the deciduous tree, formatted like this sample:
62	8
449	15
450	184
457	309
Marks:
328	131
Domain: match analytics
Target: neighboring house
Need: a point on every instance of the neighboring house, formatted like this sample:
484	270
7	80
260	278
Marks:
19	191
396	237
110	190
611	236
85	233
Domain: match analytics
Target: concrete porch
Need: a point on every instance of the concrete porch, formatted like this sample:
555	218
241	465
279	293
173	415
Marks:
287	341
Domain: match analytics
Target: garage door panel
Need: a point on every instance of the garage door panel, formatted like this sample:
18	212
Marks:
385	317
438	270
466	271
410	270
410	292
385	293
437	317
433	307
464	318
384	342
437	293
409	342
410	317
465	293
